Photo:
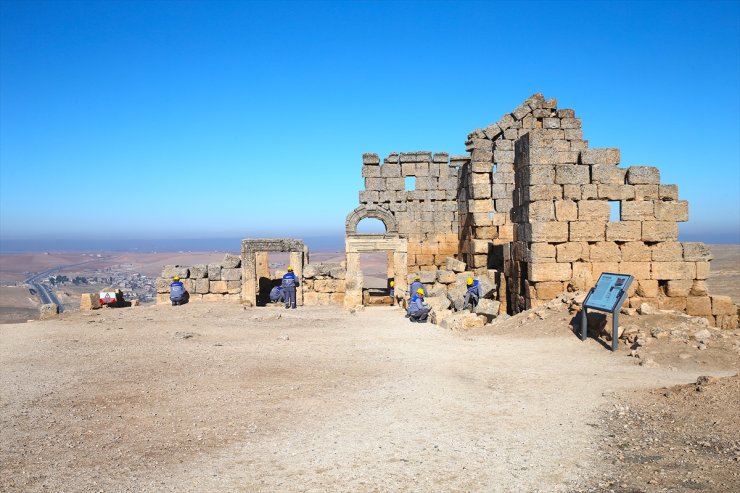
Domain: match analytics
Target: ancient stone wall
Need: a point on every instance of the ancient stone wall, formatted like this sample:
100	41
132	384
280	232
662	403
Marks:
213	282
426	214
324	283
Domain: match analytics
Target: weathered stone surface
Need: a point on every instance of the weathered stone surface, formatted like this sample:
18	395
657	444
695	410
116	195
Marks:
463	321
624	231
214	272
642	175
698	305
489	308
659	231
667	251
676	210
608	156
589	210
549	272
198	271
218	287
49	310
672	270
723	305
171	271
231	274
572	174
638	210
587	231
89	301
231	261
696	252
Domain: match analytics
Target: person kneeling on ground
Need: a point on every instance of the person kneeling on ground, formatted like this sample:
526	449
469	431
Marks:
418	311
473	294
290	281
277	295
177	291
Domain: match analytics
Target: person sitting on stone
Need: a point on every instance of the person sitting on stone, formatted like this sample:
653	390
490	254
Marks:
418	311
177	291
416	285
277	295
473	294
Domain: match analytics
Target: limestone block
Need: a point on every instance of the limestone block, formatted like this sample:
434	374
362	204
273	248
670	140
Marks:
702	270
667	251
568	157
198	271
543	156
615	192
582	276
676	210
310	298
672	270
214	297
723	305
572	192
540	251
727	322
699	305
424	259
593	210
549	271
49	310
540	175
481	144
195	298
390	170
572	252
488	308
228	274
162	284
171	271
570	123
566	210
572	174
608	156
639	175
607	174
699	288
549	290
456	294
605	251
201	286
367	196
667	192
546	232
454	265
89	301
463	321
659	231
542	192
445	276
646	192
638	270
503	156
551	123
188	285
233	287
328	286
647	288
480	206
634	210
598	268
677	303
214	272
374	184
696	252
394	184
231	261
370	158
501	177
543	210
587	230
218	287
624	231
636	251
679	287
371	171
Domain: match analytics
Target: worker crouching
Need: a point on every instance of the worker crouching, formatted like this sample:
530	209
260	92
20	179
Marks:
418	311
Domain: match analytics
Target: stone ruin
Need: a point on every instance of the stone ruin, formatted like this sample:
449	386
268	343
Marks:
529	210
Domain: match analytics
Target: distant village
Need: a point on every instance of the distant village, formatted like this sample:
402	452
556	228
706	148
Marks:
134	285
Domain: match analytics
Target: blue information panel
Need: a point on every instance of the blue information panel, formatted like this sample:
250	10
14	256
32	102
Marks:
608	292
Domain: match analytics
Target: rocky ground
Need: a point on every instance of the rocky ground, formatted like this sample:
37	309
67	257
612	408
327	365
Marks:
215	397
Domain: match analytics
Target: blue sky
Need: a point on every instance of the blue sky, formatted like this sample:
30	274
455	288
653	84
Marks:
236	119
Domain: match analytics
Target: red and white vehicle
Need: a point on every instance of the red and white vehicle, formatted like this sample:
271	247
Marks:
111	297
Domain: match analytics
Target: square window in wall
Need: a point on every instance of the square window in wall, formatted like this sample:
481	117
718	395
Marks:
409	183
615	211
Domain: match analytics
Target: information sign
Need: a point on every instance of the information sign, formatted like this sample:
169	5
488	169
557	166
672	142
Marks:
607	296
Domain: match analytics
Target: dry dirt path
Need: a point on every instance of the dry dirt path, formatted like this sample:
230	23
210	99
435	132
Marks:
217	398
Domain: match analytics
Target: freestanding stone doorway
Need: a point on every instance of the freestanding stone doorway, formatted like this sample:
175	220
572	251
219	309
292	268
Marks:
397	249
255	266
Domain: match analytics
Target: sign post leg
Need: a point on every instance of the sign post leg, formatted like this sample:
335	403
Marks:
584	322
615	330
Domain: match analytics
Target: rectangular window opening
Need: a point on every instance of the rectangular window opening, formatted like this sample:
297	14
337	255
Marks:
409	183
615	211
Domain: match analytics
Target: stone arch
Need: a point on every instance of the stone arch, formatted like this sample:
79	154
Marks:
372	211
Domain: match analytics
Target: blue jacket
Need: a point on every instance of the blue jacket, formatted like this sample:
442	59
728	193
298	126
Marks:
417	306
475	288
276	293
417	285
290	280
177	291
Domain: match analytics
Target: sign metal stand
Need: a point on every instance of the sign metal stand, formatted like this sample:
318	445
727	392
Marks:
607	296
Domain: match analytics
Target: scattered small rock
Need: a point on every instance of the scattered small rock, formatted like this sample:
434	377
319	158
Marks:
185	335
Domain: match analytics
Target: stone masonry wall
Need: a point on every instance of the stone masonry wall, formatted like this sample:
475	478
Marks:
212	282
324	283
426	215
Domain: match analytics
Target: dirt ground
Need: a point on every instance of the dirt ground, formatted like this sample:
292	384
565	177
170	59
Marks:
215	397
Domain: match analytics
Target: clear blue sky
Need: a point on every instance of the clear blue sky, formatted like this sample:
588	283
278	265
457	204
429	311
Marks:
189	119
